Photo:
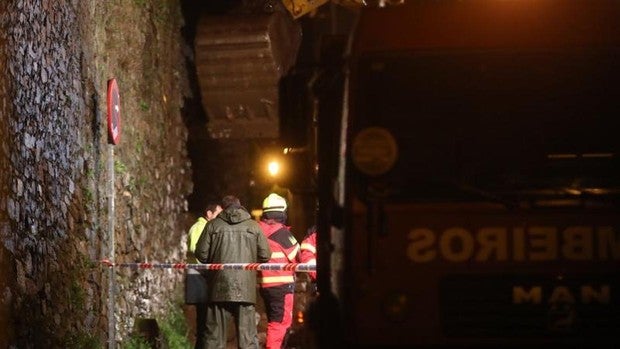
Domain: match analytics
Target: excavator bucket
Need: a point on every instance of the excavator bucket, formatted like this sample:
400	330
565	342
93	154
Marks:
239	62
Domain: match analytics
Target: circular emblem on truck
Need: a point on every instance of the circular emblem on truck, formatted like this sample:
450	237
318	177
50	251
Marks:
114	112
374	151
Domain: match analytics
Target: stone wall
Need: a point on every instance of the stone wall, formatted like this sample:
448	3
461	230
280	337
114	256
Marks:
56	58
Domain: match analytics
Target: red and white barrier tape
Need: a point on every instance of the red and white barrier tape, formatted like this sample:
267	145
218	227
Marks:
300	267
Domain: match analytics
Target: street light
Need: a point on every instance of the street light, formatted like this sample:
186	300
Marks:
273	168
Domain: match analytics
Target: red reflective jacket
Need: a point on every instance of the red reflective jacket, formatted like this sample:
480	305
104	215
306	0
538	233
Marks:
284	249
308	251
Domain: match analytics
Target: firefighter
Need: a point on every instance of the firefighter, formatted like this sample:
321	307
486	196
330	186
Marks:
308	251
277	287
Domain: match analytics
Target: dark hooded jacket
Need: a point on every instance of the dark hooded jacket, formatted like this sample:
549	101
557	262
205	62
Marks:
232	237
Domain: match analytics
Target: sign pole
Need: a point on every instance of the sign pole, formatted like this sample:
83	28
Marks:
114	132
112	272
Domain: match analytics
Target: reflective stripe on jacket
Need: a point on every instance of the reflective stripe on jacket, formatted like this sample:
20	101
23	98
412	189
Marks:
284	249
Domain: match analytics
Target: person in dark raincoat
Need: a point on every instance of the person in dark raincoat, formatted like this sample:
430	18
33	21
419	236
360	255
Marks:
232	237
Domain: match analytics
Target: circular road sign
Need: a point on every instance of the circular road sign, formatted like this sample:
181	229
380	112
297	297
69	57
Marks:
114	112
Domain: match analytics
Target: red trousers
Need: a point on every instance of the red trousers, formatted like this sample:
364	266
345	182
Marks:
279	306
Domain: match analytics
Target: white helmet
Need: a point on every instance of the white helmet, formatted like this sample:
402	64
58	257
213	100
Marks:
274	203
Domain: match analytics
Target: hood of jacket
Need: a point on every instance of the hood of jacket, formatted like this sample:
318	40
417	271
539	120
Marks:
234	215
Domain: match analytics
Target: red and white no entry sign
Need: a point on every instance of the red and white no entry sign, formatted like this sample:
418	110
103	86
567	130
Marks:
114	112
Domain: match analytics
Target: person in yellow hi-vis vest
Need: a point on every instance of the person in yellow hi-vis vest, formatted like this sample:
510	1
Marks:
195	283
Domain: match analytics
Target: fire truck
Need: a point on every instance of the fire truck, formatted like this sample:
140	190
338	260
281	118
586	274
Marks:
469	177
468	162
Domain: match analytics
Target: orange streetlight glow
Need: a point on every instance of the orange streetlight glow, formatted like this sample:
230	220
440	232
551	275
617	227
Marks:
273	168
